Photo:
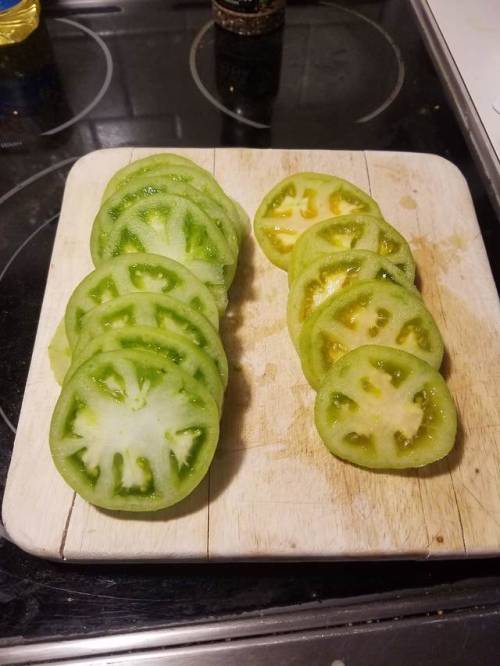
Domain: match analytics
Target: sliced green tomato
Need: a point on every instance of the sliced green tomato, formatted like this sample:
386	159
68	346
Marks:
144	167
351	232
371	311
175	227
384	408
328	274
178	348
59	353
156	310
143	190
300	201
132	431
180	169
137	272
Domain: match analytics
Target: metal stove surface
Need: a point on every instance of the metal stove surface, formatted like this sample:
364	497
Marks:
153	72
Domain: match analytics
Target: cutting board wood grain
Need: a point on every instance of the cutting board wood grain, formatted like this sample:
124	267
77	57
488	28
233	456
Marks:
273	490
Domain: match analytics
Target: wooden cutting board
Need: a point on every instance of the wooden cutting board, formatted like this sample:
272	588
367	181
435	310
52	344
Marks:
273	490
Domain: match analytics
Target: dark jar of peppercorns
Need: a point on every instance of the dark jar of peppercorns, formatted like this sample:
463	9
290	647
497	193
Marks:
249	17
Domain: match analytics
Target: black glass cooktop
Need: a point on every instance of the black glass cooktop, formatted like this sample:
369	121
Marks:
351	75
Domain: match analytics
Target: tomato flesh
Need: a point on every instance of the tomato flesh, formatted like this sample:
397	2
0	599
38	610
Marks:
137	272
351	232
328	274
146	190
299	201
158	311
131	431
177	348
144	167
59	353
189	174
384	408
181	170
368	312
174	227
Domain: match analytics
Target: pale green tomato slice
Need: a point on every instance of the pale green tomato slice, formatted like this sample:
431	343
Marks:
371	311
298	202
174	227
142	190
351	232
137	272
132	431
180	169
156	310
144	167
384	408
59	353
177	348
329	273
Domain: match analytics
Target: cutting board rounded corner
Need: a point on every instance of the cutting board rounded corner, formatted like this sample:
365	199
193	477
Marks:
17	534
437	162
454	172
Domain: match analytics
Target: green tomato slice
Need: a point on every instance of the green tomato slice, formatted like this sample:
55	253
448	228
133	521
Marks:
177	348
142	190
203	182
180	169
384	408
176	228
351	232
371	311
59	353
132	431
298	202
330	273
159	311
144	167
137	272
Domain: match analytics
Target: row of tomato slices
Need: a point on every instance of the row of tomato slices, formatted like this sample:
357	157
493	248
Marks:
366	341
137	421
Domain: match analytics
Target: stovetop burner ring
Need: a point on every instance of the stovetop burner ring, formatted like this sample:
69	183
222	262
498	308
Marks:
5	197
204	90
239	115
401	66
45	75
105	84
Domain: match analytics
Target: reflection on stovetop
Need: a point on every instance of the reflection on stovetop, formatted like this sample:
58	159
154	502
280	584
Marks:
334	68
156	72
